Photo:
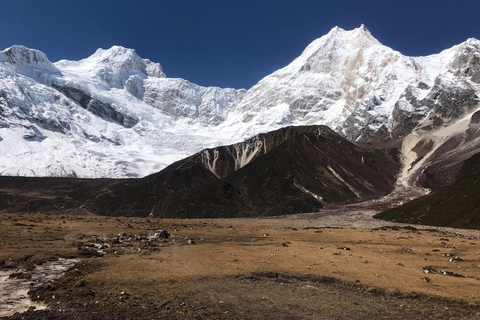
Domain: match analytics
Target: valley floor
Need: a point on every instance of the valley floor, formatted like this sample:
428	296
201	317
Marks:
234	269
361	215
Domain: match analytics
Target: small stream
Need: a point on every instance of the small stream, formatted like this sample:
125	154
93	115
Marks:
14	292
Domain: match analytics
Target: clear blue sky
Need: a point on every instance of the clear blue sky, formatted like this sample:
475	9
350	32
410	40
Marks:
228	43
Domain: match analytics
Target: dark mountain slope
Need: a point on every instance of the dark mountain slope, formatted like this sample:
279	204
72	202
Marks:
455	206
300	175
99	196
291	170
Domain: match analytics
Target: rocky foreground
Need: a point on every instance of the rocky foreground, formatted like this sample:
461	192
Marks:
136	268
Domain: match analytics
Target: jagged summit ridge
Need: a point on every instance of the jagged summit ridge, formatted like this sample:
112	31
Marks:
19	55
115	114
114	66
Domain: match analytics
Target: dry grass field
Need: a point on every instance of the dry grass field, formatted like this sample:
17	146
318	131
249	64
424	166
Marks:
241	269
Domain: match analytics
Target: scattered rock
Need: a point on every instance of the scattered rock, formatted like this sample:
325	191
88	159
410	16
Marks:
283	244
406	250
9	264
343	248
80	284
456	259
191	241
49	286
85	293
20	275
162	234
427	279
431	269
90	253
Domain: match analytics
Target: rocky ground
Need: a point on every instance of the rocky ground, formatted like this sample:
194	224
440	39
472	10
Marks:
232	269
364	214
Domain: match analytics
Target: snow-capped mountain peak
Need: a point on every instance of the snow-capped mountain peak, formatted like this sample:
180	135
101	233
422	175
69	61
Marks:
336	75
113	66
28	62
19	55
91	118
352	83
115	114
358	37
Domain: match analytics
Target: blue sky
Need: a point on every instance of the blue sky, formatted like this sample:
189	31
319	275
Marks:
228	43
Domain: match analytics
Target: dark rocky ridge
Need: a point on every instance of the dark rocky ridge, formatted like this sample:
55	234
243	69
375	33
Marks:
291	170
98	108
457	205
444	163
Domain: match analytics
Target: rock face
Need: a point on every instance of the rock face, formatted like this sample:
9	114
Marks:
291	170
117	115
98	108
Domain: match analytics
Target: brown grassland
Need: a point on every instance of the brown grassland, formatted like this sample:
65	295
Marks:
243	269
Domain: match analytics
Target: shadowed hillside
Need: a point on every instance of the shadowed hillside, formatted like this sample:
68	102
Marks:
291	170
455	206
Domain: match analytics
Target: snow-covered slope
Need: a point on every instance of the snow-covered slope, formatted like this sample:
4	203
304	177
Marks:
115	114
110	115
366	91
